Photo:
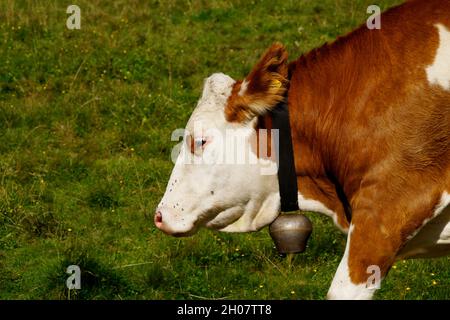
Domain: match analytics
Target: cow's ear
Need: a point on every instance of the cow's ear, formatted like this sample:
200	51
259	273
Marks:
262	89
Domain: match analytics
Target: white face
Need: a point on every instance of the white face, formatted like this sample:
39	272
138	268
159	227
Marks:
210	184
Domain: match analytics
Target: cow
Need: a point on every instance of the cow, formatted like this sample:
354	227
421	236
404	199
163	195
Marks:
370	126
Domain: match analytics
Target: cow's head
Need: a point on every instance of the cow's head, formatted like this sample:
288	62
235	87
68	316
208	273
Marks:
221	179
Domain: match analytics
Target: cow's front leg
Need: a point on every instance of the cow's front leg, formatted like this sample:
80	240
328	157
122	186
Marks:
358	276
378	233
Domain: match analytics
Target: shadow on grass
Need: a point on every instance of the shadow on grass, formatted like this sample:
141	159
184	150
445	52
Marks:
102	198
98	281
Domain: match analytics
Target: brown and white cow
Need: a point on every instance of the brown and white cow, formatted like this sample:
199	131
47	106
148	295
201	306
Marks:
370	123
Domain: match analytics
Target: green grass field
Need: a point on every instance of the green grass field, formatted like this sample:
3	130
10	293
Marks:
85	123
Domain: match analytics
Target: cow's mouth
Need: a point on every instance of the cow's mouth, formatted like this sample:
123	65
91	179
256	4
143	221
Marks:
214	217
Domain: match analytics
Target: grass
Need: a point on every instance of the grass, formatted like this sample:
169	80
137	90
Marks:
85	123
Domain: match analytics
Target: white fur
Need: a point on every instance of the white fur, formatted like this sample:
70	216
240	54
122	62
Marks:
210	107
244	87
439	72
257	217
444	236
433	238
342	288
317	206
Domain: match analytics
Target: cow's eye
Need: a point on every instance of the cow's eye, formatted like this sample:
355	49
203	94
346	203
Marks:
199	142
196	145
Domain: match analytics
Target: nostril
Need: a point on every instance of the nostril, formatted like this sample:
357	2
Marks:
158	217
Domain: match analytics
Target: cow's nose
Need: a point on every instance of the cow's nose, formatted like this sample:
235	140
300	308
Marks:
158	219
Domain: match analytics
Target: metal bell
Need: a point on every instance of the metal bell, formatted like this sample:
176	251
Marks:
290	232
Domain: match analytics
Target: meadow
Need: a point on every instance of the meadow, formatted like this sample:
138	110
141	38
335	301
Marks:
85	140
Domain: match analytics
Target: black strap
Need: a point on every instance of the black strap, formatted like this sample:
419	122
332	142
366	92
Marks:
287	177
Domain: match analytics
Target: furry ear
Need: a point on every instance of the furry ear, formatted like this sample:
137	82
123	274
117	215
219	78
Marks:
262	89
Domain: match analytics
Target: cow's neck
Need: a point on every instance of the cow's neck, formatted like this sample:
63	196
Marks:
329	87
